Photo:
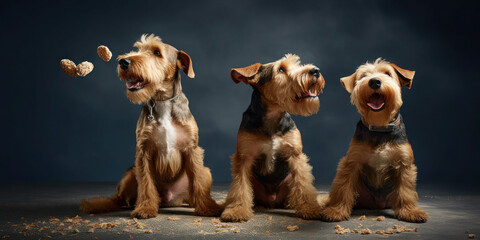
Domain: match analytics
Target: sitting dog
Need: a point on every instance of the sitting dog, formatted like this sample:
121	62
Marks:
378	170
269	167
169	167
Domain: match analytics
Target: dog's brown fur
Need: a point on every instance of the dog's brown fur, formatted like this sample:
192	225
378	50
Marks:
269	138
169	167
371	161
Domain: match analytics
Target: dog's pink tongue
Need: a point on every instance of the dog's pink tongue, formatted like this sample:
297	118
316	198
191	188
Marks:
376	101
132	84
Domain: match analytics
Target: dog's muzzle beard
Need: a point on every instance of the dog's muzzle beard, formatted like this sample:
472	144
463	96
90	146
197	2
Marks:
313	89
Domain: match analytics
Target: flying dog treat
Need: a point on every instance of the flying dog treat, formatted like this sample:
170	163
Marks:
84	68
104	53
68	67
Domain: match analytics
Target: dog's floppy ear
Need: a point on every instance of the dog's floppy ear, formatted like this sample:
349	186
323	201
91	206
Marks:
405	76
349	82
245	74
185	63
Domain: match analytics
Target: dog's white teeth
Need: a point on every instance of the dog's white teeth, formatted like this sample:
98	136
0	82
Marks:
312	92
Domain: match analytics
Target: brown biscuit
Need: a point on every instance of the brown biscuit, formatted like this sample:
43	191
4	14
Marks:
84	68
68	67
104	53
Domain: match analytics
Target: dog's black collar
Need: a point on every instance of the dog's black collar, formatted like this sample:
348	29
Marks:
390	126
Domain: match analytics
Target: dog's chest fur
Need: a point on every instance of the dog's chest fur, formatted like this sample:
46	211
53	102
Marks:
270	165
167	133
385	156
269	151
164	136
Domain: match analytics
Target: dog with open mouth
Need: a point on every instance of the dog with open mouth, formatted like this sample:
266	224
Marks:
169	168
378	171
269	167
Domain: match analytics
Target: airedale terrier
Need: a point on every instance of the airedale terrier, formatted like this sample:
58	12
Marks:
378	170
269	167
169	167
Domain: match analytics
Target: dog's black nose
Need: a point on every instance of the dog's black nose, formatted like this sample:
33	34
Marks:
375	83
315	72
124	63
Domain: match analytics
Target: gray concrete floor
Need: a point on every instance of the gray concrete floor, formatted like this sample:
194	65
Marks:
25	211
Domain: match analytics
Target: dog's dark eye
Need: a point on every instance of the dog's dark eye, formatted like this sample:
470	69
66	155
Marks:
281	69
157	53
388	73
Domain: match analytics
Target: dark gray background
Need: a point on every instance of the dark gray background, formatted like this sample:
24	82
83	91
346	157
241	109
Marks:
58	128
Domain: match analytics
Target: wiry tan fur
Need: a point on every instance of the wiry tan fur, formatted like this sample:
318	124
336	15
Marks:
378	164
280	95
163	163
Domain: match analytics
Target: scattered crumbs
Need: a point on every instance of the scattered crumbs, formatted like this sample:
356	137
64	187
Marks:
380	232
198	220
380	218
148	231
399	228
125	230
216	220
236	230
292	228
282	222
91	230
105	225
173	218
340	230
268	232
362	218
269	218
389	231
75	230
158	229
355	230
366	231
222	225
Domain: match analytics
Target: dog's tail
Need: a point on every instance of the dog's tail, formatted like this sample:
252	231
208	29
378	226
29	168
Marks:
101	204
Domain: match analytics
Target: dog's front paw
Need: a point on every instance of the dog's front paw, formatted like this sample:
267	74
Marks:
144	212
309	211
212	209
334	214
236	214
416	215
